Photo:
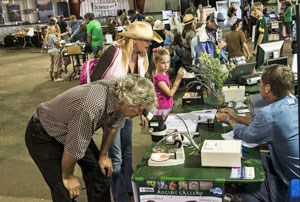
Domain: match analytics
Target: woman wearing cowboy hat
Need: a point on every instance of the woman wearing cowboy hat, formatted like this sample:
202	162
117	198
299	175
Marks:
129	56
188	34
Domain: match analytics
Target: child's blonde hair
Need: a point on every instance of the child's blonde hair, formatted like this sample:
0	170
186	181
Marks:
158	53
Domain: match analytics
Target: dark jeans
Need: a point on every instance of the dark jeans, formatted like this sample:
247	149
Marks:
273	189
47	154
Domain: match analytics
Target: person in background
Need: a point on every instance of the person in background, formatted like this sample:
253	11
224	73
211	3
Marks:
232	15
164	90
200	14
75	29
237	45
127	55
207	38
123	17
64	28
261	29
159	28
54	52
176	50
111	28
94	33
150	20
287	19
281	17
276	125
188	34
44	47
245	8
138	15
175	24
60	134
191	10
74	23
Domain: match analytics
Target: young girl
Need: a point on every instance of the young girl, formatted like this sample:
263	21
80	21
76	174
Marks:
164	90
53	43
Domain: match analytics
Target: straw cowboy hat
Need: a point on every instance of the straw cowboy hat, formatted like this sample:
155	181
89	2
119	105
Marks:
188	19
142	31
158	25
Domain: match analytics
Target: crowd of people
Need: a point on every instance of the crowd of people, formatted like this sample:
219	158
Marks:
59	134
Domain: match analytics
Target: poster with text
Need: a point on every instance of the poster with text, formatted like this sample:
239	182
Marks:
14	13
44	5
179	191
63	9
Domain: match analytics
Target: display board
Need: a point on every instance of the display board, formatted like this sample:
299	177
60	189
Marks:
45	9
178	191
14	13
222	7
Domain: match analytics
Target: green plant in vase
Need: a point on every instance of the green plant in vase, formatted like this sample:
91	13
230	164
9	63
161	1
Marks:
214	74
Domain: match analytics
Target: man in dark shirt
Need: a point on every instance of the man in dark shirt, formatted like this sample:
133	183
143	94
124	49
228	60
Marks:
59	134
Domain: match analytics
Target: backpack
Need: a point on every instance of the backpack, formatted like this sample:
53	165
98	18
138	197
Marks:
86	71
95	69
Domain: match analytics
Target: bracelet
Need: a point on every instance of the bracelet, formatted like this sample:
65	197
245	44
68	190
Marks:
227	120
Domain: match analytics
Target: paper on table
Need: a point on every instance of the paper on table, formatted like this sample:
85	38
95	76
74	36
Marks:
230	136
191	120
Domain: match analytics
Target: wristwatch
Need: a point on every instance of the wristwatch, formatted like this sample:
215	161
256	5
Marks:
227	120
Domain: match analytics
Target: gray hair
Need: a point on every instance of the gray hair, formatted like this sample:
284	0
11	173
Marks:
135	90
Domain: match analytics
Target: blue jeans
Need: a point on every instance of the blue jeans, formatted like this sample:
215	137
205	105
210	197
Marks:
121	155
96	49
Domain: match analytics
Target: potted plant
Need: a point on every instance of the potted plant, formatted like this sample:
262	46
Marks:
214	74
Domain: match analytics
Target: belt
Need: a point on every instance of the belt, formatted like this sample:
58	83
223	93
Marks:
38	124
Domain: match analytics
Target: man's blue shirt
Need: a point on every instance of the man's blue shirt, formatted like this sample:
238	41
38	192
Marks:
277	125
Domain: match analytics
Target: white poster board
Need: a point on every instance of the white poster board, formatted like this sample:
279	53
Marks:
208	10
222	7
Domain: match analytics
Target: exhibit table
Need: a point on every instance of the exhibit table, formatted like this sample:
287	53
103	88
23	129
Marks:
190	181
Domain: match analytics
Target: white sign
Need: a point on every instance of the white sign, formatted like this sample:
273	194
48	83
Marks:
103	7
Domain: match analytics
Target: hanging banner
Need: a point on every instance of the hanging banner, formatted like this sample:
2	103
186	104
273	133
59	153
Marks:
104	9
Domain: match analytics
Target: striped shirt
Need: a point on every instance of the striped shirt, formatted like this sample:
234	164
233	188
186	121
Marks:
73	116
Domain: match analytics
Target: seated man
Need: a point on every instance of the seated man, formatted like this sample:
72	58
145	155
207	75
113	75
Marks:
276	125
59	134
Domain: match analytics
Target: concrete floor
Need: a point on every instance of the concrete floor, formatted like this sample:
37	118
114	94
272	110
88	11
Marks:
23	85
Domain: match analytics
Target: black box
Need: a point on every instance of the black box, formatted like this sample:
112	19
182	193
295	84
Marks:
192	98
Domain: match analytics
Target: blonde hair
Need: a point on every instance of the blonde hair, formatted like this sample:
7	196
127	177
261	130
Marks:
50	30
126	45
257	6
72	17
158	53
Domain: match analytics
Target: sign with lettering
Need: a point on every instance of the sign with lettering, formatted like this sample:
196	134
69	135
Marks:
104	9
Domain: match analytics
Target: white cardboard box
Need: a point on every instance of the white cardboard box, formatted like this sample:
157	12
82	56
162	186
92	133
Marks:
221	153
234	93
